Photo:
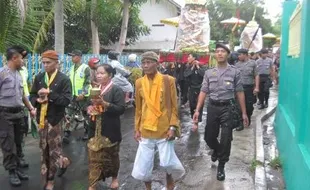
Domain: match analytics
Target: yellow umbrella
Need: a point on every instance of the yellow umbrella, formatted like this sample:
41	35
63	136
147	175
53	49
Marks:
174	21
269	36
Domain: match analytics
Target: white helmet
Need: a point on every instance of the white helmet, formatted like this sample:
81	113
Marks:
132	57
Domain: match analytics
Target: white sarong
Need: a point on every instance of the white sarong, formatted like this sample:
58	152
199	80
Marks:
144	161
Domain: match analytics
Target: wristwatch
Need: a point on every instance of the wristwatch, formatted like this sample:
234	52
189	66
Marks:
172	128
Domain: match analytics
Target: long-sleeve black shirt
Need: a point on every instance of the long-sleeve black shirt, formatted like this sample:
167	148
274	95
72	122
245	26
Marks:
59	97
194	76
110	121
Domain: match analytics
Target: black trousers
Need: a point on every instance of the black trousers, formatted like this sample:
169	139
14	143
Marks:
11	139
249	100
184	91
264	85
193	100
219	117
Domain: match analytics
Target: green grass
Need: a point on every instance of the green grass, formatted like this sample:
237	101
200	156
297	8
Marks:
276	163
254	164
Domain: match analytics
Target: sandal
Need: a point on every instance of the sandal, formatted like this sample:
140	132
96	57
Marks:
50	188
62	170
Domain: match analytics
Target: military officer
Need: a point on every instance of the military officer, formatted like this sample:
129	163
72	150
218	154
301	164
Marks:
221	84
265	72
250	81
12	101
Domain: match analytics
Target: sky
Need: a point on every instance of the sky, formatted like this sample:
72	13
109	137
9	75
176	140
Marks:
273	8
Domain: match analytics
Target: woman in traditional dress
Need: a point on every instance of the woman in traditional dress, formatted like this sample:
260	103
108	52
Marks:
105	130
50	94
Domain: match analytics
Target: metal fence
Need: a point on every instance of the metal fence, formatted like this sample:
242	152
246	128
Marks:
34	66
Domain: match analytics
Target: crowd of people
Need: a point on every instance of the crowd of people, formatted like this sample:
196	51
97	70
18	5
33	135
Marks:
102	91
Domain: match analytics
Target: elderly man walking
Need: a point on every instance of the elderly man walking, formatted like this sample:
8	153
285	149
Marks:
156	123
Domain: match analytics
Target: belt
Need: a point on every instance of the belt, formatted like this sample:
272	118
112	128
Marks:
220	102
248	85
11	109
264	75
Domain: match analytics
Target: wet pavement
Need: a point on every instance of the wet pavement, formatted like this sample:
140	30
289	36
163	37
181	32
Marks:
191	149
274	175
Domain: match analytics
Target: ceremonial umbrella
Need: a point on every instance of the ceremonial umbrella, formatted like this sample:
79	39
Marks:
233	20
174	21
236	22
269	36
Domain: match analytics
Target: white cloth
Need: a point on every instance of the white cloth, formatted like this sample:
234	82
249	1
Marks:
247	36
144	161
120	78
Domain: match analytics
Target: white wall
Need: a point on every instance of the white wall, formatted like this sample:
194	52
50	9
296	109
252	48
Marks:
151	13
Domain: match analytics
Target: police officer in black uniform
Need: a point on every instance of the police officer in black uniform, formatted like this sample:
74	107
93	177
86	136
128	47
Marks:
250	81
12	101
221	84
265	71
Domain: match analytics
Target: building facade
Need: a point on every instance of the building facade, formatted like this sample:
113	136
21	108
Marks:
292	123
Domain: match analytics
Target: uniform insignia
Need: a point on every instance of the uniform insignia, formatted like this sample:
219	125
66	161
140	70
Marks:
214	73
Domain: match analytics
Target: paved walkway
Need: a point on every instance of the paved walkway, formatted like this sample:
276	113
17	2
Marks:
191	149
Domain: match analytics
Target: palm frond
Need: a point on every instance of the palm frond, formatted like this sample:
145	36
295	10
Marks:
43	31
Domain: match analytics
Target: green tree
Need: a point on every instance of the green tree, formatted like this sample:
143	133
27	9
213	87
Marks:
224	9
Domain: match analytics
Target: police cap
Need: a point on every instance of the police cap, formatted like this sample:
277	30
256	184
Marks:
263	51
220	45
243	51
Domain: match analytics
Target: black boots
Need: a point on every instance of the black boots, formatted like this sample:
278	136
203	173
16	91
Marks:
85	137
21	175
220	172
15	176
66	137
22	163
14	179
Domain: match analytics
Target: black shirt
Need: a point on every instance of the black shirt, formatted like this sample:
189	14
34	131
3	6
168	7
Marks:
111	124
59	97
195	76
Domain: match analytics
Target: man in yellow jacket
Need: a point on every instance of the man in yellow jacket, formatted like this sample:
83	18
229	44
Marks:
81	84
21	162
156	123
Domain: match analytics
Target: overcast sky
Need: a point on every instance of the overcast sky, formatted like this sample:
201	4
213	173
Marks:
274	8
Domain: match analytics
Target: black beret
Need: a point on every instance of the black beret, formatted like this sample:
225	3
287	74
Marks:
18	49
243	51
220	45
263	51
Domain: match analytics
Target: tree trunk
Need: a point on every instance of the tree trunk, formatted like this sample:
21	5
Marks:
123	35
59	27
94	30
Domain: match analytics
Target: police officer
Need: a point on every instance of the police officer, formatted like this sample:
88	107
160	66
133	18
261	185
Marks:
194	75
221	84
12	100
265	72
81	84
250	81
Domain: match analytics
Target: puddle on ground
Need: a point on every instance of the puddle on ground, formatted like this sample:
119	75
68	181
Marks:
274	176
